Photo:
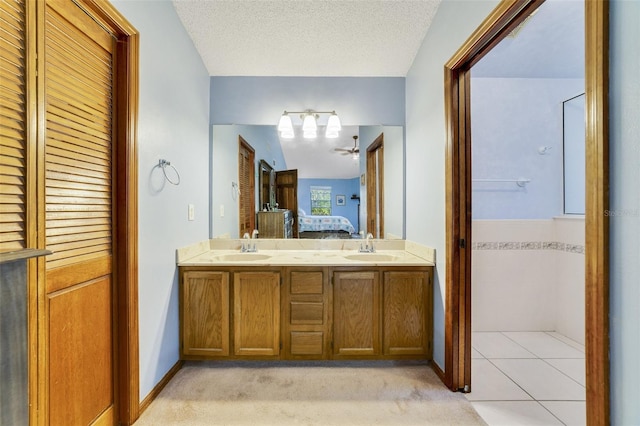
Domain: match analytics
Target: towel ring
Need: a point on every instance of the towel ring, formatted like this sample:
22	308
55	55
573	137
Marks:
163	165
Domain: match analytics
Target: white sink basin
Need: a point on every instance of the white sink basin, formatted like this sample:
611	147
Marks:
243	257
371	257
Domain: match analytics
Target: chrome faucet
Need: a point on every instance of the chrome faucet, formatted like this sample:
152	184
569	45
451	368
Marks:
247	247
368	248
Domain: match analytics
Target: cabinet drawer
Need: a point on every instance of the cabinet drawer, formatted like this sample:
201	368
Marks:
307	342
306	283
307	313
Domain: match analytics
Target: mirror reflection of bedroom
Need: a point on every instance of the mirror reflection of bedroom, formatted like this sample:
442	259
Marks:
327	188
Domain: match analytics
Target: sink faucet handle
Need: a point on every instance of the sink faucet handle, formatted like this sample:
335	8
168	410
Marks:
254	234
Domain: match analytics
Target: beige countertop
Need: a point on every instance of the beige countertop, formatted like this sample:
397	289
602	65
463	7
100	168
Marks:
305	253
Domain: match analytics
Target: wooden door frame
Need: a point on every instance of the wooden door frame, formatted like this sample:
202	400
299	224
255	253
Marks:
375	179
506	16
125	220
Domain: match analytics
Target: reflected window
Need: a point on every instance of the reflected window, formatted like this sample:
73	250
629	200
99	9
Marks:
320	200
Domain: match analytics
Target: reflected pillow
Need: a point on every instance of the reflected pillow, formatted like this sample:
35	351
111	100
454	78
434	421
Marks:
301	212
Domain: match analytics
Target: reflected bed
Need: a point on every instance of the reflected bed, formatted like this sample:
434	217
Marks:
324	224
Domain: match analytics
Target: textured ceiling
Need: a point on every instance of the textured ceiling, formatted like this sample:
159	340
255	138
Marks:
334	38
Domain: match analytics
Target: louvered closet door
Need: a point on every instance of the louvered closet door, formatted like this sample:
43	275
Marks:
78	59
12	125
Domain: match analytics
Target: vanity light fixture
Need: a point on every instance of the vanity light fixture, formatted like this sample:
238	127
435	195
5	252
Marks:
309	124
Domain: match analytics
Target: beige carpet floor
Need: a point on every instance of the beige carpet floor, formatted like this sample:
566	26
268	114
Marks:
308	393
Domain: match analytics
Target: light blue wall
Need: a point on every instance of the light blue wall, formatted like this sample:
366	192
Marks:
624	315
261	100
174	125
224	170
512	119
346	187
425	137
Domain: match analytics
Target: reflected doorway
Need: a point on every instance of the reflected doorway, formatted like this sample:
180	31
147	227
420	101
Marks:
375	188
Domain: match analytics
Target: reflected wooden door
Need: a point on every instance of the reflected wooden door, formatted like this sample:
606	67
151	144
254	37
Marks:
287	194
78	323
247	187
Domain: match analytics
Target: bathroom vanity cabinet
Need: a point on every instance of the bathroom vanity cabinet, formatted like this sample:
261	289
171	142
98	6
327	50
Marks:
306	312
382	313
214	319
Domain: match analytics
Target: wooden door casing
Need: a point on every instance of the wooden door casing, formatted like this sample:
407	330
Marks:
503	19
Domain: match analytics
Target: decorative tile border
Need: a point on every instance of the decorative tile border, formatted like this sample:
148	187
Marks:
528	245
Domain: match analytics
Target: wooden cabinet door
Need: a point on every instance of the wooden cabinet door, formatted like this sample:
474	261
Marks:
406	303
256	312
204	313
356	314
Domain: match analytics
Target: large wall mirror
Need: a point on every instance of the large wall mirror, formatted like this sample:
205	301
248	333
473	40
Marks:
328	174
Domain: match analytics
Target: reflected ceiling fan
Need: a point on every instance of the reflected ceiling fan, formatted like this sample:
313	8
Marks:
355	151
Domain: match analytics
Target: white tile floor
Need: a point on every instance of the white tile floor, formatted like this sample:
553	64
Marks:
527	378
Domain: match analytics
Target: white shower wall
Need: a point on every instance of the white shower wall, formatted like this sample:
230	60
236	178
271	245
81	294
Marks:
528	275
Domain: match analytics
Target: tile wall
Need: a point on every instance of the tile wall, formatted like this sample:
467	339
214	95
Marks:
528	275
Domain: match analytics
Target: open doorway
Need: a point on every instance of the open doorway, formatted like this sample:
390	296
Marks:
505	18
527	321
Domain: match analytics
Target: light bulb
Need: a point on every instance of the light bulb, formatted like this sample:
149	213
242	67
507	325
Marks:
309	123
285	123
333	124
287	134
